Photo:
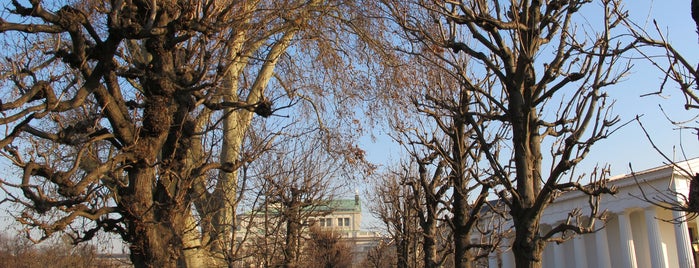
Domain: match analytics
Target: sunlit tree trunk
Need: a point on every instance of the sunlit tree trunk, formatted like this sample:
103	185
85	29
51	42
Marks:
218	228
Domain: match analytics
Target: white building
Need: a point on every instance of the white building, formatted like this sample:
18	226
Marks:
343	216
637	234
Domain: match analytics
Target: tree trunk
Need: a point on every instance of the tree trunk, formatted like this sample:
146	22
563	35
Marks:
155	245
152	226
154	208
291	246
293	229
402	254
193	254
151	249
462	239
528	249
429	245
526	140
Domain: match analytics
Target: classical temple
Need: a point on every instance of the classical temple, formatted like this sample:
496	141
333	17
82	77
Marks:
637	233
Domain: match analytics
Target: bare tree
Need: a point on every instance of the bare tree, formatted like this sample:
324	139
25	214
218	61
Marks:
125	168
429	190
320	70
451	183
297	182
395	209
119	114
436	209
526	71
253	52
18	251
304	182
327	250
380	256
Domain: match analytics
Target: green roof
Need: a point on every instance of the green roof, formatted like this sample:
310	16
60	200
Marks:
337	205
341	205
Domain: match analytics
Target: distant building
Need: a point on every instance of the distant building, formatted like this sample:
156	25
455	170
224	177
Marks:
343	216
637	235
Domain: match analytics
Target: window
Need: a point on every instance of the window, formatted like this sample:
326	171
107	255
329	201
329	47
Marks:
322	222
328	222
343	221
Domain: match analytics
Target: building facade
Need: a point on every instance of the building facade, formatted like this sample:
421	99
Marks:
638	234
345	216
340	216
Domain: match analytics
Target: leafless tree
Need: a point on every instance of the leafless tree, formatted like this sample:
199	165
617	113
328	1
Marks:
327	250
527	71
18	251
428	192
462	154
394	207
451	178
129	116
440	198
381	256
303	182
297	183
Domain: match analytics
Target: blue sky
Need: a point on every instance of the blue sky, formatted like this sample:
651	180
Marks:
629	144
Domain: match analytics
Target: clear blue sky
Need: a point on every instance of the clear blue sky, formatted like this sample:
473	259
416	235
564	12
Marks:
628	144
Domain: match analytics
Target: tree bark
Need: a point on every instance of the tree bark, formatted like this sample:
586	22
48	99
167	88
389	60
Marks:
403	254
429	244
528	249
291	245
462	235
155	209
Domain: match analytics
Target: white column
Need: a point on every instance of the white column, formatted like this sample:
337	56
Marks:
627	248
602	247
558	255
580	252
655	243
684	245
